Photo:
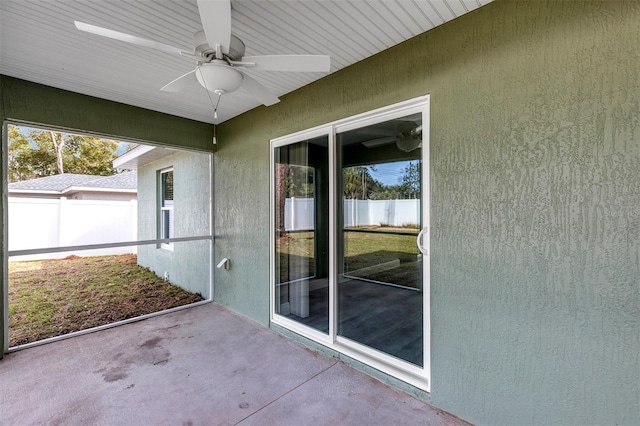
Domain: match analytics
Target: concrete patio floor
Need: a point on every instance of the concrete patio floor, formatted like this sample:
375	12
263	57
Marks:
204	365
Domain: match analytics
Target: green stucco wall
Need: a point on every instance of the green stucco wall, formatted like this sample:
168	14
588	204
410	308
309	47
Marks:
188	264
535	181
34	103
535	174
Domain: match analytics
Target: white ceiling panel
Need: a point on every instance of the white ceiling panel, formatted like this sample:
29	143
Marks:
39	43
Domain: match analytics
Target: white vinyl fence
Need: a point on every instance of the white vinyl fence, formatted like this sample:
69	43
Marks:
35	223
298	213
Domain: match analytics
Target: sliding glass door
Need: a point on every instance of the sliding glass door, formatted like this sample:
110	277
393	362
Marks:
380	266
350	216
301	175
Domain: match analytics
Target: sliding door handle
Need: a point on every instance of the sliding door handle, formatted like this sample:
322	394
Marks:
420	240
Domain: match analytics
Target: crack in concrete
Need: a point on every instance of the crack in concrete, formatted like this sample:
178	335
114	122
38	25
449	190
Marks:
285	394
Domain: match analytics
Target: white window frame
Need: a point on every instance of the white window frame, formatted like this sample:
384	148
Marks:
162	209
409	373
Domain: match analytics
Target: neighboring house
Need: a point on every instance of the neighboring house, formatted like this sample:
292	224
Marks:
79	210
174	200
119	187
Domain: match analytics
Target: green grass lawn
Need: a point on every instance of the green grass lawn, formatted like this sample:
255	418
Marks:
364	249
378	245
50	298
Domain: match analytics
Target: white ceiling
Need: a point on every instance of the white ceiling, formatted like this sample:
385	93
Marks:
39	43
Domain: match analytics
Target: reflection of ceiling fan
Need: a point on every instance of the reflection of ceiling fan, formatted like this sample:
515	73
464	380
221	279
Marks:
406	136
220	56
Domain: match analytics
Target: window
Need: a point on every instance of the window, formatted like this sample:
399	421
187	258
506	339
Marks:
166	206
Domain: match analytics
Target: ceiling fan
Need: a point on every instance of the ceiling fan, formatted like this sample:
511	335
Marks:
220	56
407	137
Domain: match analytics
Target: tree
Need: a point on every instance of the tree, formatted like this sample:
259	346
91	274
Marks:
291	181
20	148
40	153
410	187
300	181
389	192
91	156
282	171
58	143
358	184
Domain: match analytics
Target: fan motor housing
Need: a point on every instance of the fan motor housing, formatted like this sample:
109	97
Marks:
201	47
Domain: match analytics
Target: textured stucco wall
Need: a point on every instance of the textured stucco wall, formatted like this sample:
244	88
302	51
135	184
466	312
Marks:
189	262
38	104
535	174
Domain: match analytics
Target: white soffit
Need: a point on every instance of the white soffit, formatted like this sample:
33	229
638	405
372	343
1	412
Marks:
39	43
141	155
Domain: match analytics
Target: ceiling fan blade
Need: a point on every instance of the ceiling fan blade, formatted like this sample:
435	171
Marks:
216	22
181	82
258	91
379	141
294	63
116	35
376	131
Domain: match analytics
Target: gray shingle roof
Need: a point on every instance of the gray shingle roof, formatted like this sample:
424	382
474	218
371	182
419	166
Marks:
59	183
125	180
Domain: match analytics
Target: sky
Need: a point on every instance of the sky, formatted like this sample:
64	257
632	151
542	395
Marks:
389	173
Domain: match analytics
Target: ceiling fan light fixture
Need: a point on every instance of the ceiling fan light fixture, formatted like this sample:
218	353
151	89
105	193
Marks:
408	144
219	78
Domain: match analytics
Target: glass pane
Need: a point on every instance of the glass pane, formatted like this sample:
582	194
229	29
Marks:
167	223
167	188
301	241
380	300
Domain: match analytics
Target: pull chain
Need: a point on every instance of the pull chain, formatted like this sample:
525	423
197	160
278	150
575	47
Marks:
215	116
215	108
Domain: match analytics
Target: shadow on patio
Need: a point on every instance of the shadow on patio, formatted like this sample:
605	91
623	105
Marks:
203	365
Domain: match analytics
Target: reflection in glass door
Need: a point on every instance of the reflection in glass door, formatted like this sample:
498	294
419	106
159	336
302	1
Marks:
380	298
302	232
